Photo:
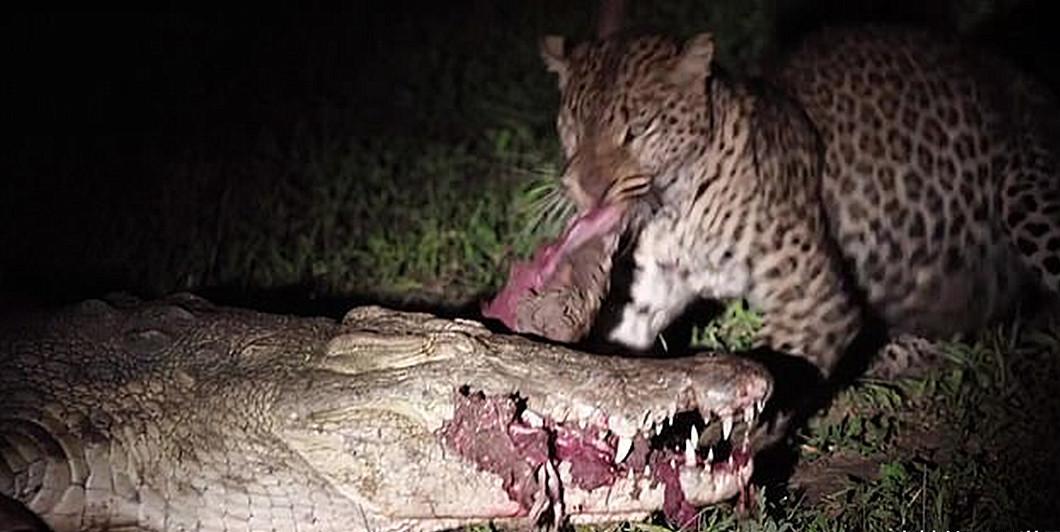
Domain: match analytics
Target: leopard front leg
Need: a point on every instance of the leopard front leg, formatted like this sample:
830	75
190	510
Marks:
807	305
663	282
810	318
658	294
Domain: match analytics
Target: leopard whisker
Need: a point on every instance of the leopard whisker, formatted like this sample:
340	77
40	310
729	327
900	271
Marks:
546	206
628	188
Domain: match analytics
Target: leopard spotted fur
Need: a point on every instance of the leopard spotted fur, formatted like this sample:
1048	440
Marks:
883	172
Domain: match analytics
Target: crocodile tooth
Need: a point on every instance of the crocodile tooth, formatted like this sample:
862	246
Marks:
621	426
625	445
749	414
658	428
552	477
732	463
710	455
671	414
690	453
695	435
647	470
560	414
726	427
585	411
760	405
533	419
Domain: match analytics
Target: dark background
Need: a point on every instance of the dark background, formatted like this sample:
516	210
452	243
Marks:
99	106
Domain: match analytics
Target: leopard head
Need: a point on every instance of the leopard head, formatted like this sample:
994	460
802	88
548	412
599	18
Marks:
633	112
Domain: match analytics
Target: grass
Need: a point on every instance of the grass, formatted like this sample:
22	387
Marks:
968	446
405	180
731	332
443	223
426	190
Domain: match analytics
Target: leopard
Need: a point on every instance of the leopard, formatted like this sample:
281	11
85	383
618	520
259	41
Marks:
877	174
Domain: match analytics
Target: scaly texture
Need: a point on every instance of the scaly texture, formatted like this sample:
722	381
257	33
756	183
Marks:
180	415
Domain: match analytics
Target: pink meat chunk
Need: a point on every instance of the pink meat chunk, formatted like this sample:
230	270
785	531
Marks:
488	431
557	293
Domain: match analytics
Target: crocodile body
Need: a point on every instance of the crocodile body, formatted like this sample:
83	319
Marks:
181	415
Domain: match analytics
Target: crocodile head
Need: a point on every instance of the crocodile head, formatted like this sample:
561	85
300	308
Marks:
455	425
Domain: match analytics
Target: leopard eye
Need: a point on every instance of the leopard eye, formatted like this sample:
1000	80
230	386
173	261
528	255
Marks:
636	129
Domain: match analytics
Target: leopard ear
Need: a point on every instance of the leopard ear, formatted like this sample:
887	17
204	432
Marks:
696	58
553	52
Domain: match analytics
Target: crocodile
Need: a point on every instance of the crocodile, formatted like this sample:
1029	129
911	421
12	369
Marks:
179	414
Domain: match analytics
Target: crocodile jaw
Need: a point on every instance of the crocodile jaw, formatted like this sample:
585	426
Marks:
457	425
497	463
